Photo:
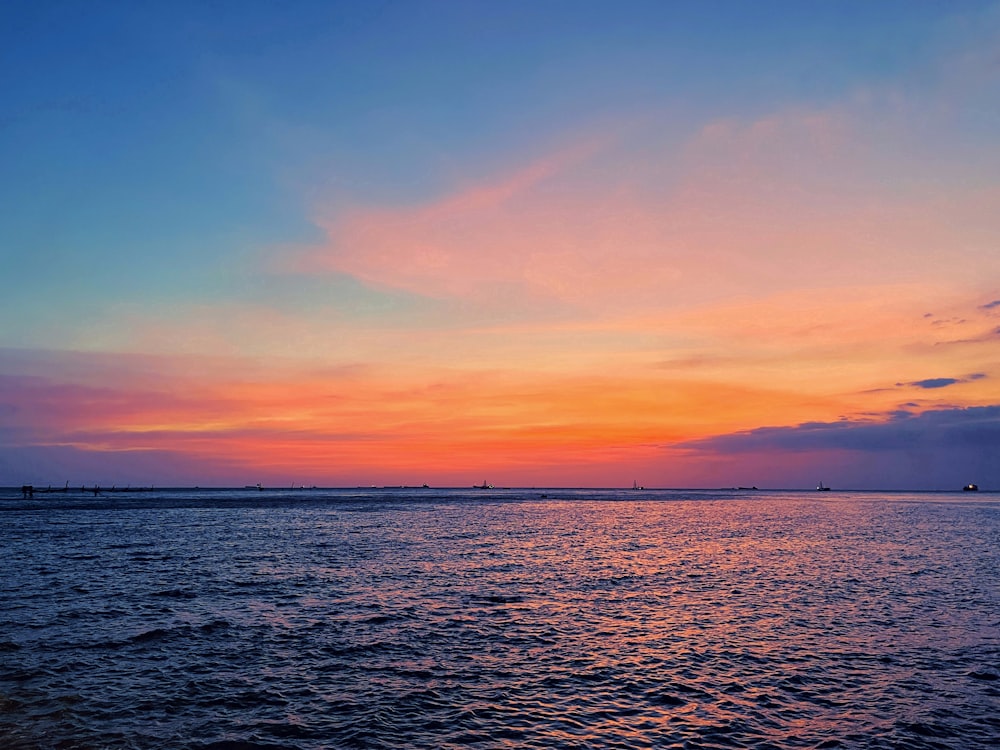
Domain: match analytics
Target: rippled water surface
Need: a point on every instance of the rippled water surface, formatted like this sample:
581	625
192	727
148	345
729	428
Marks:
428	618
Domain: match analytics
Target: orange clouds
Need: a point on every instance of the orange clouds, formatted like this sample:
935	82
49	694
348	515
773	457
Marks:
349	425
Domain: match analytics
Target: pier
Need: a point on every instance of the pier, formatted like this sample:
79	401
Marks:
29	490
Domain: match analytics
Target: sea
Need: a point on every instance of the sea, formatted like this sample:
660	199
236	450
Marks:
300	619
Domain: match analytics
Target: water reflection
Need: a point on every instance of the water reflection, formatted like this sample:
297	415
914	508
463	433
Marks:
772	621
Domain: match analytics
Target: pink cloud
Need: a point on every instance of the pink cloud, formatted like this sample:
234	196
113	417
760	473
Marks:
791	200
557	229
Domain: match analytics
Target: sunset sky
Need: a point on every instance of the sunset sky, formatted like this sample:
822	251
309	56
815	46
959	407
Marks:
693	244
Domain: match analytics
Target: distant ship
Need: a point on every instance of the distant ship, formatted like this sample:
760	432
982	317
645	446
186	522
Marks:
637	486
822	488
482	486
971	488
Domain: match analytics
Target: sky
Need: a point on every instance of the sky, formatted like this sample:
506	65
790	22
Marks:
689	244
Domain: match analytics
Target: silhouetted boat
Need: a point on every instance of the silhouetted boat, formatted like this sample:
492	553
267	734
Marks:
971	488
637	486
822	488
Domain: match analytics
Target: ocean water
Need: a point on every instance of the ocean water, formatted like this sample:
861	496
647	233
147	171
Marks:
242	620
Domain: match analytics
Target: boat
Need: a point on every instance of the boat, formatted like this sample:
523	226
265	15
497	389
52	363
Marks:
482	486
971	488
637	486
822	488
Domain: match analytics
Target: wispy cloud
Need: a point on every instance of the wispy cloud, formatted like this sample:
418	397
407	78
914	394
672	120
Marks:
794	199
934	383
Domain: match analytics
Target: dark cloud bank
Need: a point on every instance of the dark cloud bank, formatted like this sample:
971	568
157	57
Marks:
974	427
939	449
